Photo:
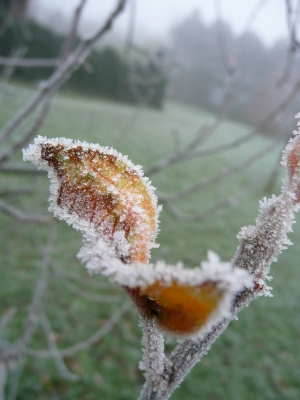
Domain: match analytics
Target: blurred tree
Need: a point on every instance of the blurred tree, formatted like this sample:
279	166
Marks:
214	56
16	8
200	80
102	75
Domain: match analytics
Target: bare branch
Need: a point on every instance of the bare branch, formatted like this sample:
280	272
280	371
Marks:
96	337
294	42
292	16
223	46
287	69
40	288
218	205
88	295
9	69
223	174
60	365
189	154
252	17
22	216
94	283
20	169
16	350
23	140
69	42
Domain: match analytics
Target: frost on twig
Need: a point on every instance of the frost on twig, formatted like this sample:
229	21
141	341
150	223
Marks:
153	353
106	197
261	244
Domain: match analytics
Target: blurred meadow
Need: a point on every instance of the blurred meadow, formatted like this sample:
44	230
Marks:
258	356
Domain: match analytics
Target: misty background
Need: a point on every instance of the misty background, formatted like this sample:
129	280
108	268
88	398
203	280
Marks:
193	47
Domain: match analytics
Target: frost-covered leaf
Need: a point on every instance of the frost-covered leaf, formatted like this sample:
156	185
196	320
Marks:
188	302
96	188
101	193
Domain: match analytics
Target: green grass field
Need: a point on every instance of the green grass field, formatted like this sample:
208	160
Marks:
258	357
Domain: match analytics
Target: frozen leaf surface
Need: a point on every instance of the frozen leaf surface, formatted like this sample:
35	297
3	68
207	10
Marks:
191	305
97	188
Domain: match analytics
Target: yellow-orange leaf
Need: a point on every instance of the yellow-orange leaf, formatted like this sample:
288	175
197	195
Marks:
179	309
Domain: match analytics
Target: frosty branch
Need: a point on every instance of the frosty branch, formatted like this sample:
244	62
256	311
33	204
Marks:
102	194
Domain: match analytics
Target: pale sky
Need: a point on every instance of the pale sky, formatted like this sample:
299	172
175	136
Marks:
154	18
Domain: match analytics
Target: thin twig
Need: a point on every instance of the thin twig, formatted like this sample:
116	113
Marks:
39	292
69	42
218	205
22	216
187	154
20	169
99	298
29	62
294	42
9	69
221	176
60	365
23	140
223	45
93	339
15	351
94	283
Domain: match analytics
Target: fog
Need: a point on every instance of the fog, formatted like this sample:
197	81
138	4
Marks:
154	18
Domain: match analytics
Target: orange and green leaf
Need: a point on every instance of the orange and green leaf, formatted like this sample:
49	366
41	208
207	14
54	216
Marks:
103	194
